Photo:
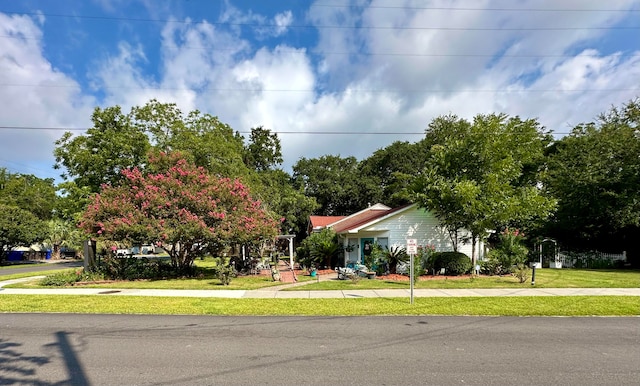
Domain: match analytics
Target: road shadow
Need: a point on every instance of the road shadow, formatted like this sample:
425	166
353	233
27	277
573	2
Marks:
16	367
19	368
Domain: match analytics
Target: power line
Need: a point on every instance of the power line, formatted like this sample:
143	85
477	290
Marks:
287	132
217	89
392	54
473	9
310	26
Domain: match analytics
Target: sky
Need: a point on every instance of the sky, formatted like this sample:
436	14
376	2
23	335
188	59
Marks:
339	77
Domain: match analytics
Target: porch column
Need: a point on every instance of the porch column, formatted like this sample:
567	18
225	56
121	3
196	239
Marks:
291	252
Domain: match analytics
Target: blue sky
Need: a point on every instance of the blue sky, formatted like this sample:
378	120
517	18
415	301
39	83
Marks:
381	68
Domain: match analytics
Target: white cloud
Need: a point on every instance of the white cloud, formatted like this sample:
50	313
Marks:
283	21
34	94
376	80
417	75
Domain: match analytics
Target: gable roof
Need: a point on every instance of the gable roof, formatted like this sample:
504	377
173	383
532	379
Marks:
317	223
367	218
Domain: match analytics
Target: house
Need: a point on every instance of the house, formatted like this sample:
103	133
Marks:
392	227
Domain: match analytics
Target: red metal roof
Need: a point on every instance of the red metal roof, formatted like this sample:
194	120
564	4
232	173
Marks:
359	218
323	221
345	223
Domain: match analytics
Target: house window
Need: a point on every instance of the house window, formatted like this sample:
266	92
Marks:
383	242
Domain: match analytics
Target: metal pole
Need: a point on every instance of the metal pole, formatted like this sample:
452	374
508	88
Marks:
533	275
411	275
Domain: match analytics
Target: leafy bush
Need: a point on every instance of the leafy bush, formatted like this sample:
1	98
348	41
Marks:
417	270
394	255
490	266
377	260
132	268
424	255
521	272
61	279
319	249
509	252
225	272
454	263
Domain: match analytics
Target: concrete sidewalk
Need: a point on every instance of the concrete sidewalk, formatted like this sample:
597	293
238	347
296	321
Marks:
277	293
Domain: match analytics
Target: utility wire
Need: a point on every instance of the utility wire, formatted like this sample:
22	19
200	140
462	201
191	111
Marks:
310	26
430	91
354	53
472	9
249	132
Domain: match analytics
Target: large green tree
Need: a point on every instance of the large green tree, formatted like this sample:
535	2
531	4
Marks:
595	174
28	192
264	151
480	175
335	183
18	227
202	138
391	170
290	203
113	144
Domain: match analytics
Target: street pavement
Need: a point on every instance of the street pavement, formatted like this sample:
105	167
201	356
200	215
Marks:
277	292
50	265
99	349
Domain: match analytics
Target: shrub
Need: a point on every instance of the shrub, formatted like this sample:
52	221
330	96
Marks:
454	263
395	255
509	252
225	273
490	266
61	279
132	268
417	271
424	255
521	272
319	249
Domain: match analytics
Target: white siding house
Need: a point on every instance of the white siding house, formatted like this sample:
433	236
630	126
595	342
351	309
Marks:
392	227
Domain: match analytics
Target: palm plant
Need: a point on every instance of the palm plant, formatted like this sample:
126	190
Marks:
394	255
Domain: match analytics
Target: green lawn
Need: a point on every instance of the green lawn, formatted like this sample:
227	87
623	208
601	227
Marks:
545	278
494	306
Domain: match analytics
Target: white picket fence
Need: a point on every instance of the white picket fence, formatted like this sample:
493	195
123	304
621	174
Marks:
591	259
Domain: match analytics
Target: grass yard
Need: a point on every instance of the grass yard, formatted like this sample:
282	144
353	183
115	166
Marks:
205	282
545	278
502	306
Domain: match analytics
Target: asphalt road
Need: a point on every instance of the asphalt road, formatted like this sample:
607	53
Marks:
24	268
62	349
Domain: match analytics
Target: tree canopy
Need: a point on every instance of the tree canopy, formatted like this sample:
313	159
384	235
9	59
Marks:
113	144
28	192
18	227
474	174
595	174
334	182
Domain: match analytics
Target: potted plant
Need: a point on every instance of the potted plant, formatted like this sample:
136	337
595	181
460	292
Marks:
313	271
275	274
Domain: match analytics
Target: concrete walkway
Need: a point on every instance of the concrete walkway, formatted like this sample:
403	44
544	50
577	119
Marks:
277	293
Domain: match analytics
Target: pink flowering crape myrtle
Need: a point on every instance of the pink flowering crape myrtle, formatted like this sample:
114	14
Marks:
180	207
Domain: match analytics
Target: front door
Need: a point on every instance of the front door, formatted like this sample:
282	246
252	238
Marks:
366	246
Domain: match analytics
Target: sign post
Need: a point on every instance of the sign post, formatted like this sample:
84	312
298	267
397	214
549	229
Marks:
412	249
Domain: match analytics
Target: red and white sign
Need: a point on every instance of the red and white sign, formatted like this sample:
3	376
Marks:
412	246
